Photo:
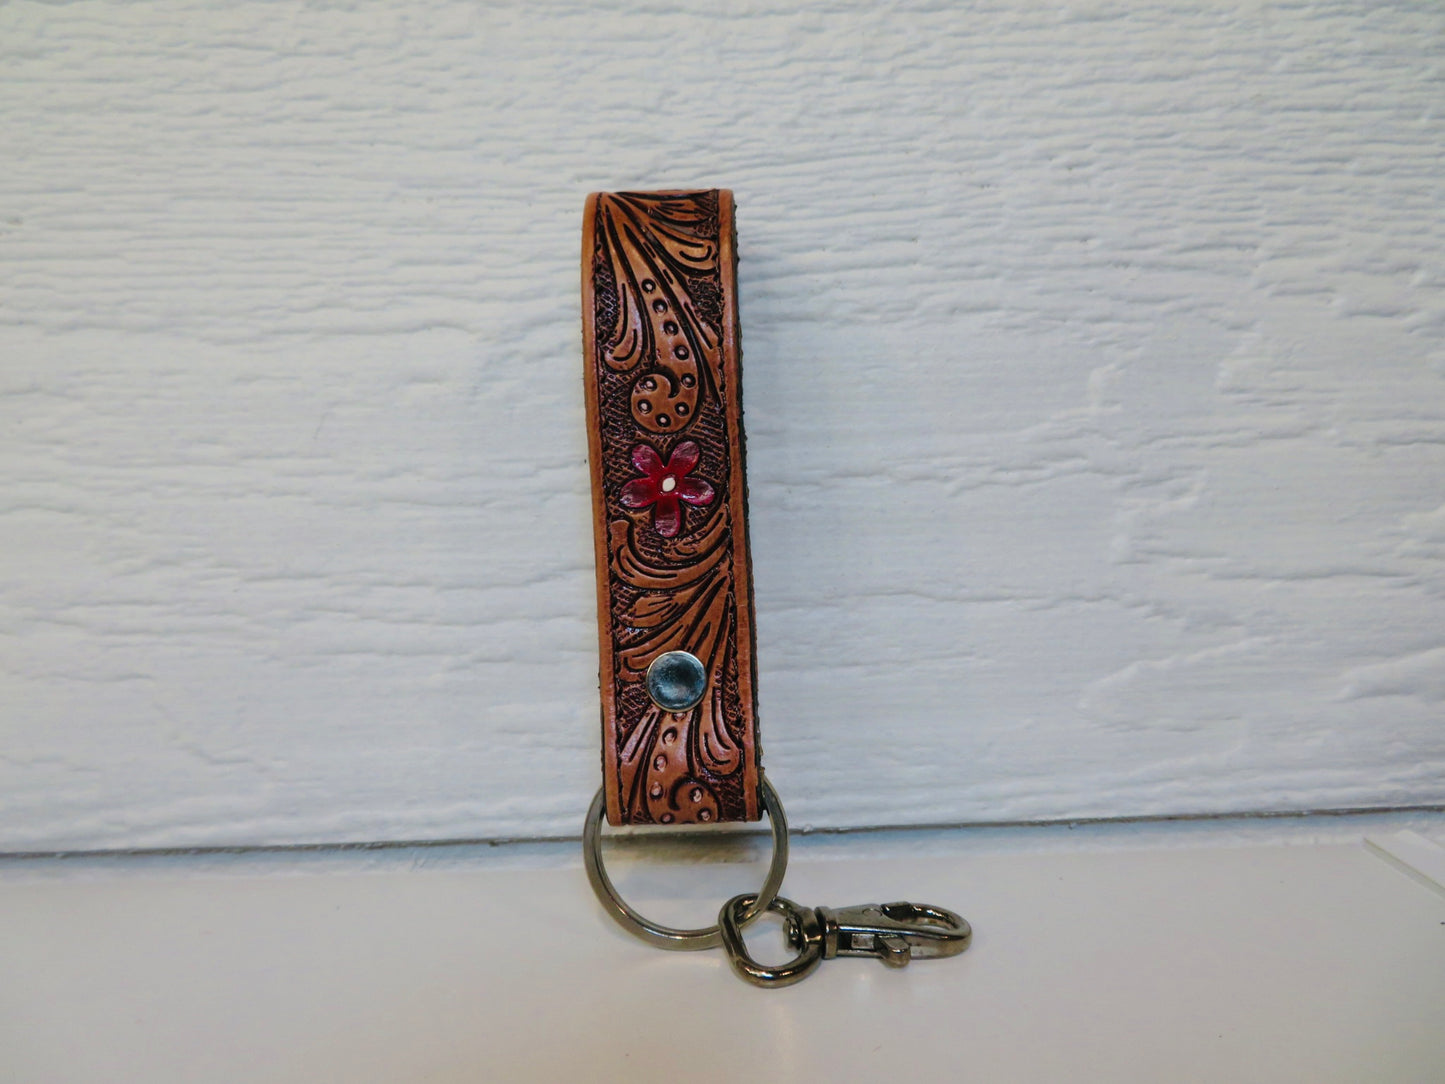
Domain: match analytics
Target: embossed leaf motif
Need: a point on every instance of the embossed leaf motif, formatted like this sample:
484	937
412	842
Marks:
665	486
687	607
664	328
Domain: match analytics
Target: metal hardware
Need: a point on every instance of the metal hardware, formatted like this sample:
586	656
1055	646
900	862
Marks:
892	932
804	921
676	681
666	936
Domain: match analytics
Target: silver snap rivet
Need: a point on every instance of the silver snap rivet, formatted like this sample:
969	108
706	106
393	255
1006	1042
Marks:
676	681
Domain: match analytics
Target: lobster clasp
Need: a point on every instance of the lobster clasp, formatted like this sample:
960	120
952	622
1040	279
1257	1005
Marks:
893	932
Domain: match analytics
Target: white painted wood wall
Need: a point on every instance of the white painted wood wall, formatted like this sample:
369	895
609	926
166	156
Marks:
1095	387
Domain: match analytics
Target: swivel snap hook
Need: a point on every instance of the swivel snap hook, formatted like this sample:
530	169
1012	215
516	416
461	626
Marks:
892	932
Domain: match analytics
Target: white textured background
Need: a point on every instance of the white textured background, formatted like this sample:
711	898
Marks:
1095	385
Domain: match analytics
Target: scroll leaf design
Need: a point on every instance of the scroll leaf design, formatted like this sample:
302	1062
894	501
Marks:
693	611
656	260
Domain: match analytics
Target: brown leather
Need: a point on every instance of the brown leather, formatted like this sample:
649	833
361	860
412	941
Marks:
664	414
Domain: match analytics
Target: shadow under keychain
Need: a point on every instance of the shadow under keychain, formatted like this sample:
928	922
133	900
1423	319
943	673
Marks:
674	576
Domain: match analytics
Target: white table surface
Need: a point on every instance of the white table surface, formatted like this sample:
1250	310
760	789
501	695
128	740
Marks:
1182	955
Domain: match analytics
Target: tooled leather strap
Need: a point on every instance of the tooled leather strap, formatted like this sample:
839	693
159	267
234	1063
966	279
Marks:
674	582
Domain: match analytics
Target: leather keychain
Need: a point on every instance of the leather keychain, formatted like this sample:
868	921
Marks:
674	578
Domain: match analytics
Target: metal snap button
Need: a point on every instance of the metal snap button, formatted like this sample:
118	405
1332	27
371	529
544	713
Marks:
676	681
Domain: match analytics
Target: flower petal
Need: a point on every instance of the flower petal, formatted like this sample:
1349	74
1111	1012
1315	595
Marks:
645	459
639	493
694	491
667	515
684	457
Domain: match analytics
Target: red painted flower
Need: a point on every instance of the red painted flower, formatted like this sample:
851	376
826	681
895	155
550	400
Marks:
663	486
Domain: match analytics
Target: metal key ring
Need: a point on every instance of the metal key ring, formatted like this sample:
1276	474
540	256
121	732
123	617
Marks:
667	937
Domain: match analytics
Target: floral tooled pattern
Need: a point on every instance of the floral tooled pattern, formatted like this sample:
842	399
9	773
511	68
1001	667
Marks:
659	368
662	256
664	486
